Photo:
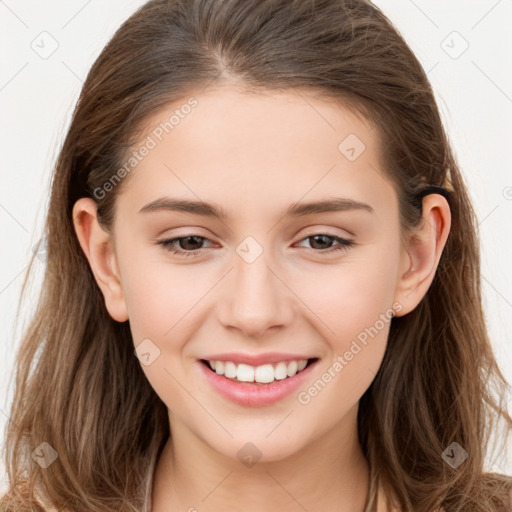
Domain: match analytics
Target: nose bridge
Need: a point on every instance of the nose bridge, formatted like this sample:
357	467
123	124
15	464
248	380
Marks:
259	300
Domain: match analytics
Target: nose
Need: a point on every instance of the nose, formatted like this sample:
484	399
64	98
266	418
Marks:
257	298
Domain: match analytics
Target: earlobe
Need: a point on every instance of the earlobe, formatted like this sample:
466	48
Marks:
98	248
420	257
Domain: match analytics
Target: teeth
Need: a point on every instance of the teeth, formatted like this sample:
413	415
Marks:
230	370
245	373
263	374
302	364
292	368
219	367
281	371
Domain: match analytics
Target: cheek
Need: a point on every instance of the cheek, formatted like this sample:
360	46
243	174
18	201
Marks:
353	314
351	296
159	296
352	303
167	304
163	306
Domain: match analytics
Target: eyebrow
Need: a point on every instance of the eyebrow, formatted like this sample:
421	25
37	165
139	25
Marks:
206	209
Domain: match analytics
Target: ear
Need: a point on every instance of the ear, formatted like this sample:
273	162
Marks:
421	253
99	250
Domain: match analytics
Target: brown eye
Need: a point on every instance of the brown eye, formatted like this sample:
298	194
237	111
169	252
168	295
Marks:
185	245
190	243
323	242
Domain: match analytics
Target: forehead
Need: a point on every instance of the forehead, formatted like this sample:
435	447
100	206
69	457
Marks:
240	148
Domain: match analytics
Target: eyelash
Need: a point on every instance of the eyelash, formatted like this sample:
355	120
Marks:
169	245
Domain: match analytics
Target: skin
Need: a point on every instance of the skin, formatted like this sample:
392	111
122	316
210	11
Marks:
256	154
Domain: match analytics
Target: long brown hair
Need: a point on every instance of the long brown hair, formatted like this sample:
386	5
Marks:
80	388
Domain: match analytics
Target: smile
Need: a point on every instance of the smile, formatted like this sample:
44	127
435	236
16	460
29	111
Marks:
263	374
225	380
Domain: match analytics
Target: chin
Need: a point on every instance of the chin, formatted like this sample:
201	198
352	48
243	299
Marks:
252	449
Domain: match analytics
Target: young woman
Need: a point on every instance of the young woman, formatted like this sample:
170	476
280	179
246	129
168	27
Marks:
262	288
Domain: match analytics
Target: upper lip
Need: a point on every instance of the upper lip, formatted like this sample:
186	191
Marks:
256	359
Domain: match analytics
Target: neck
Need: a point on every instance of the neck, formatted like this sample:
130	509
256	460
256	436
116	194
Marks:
330	474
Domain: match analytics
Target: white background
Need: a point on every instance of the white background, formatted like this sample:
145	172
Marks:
474	93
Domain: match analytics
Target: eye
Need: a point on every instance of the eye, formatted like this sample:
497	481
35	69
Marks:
190	245
321	241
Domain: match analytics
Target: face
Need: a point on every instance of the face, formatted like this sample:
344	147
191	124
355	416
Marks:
268	280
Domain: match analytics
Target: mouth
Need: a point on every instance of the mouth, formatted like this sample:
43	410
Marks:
239	384
261	375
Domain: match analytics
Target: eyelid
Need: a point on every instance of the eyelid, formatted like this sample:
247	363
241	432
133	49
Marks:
167	243
344	235
343	244
315	230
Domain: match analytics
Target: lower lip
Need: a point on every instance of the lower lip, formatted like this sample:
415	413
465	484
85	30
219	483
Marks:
255	395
